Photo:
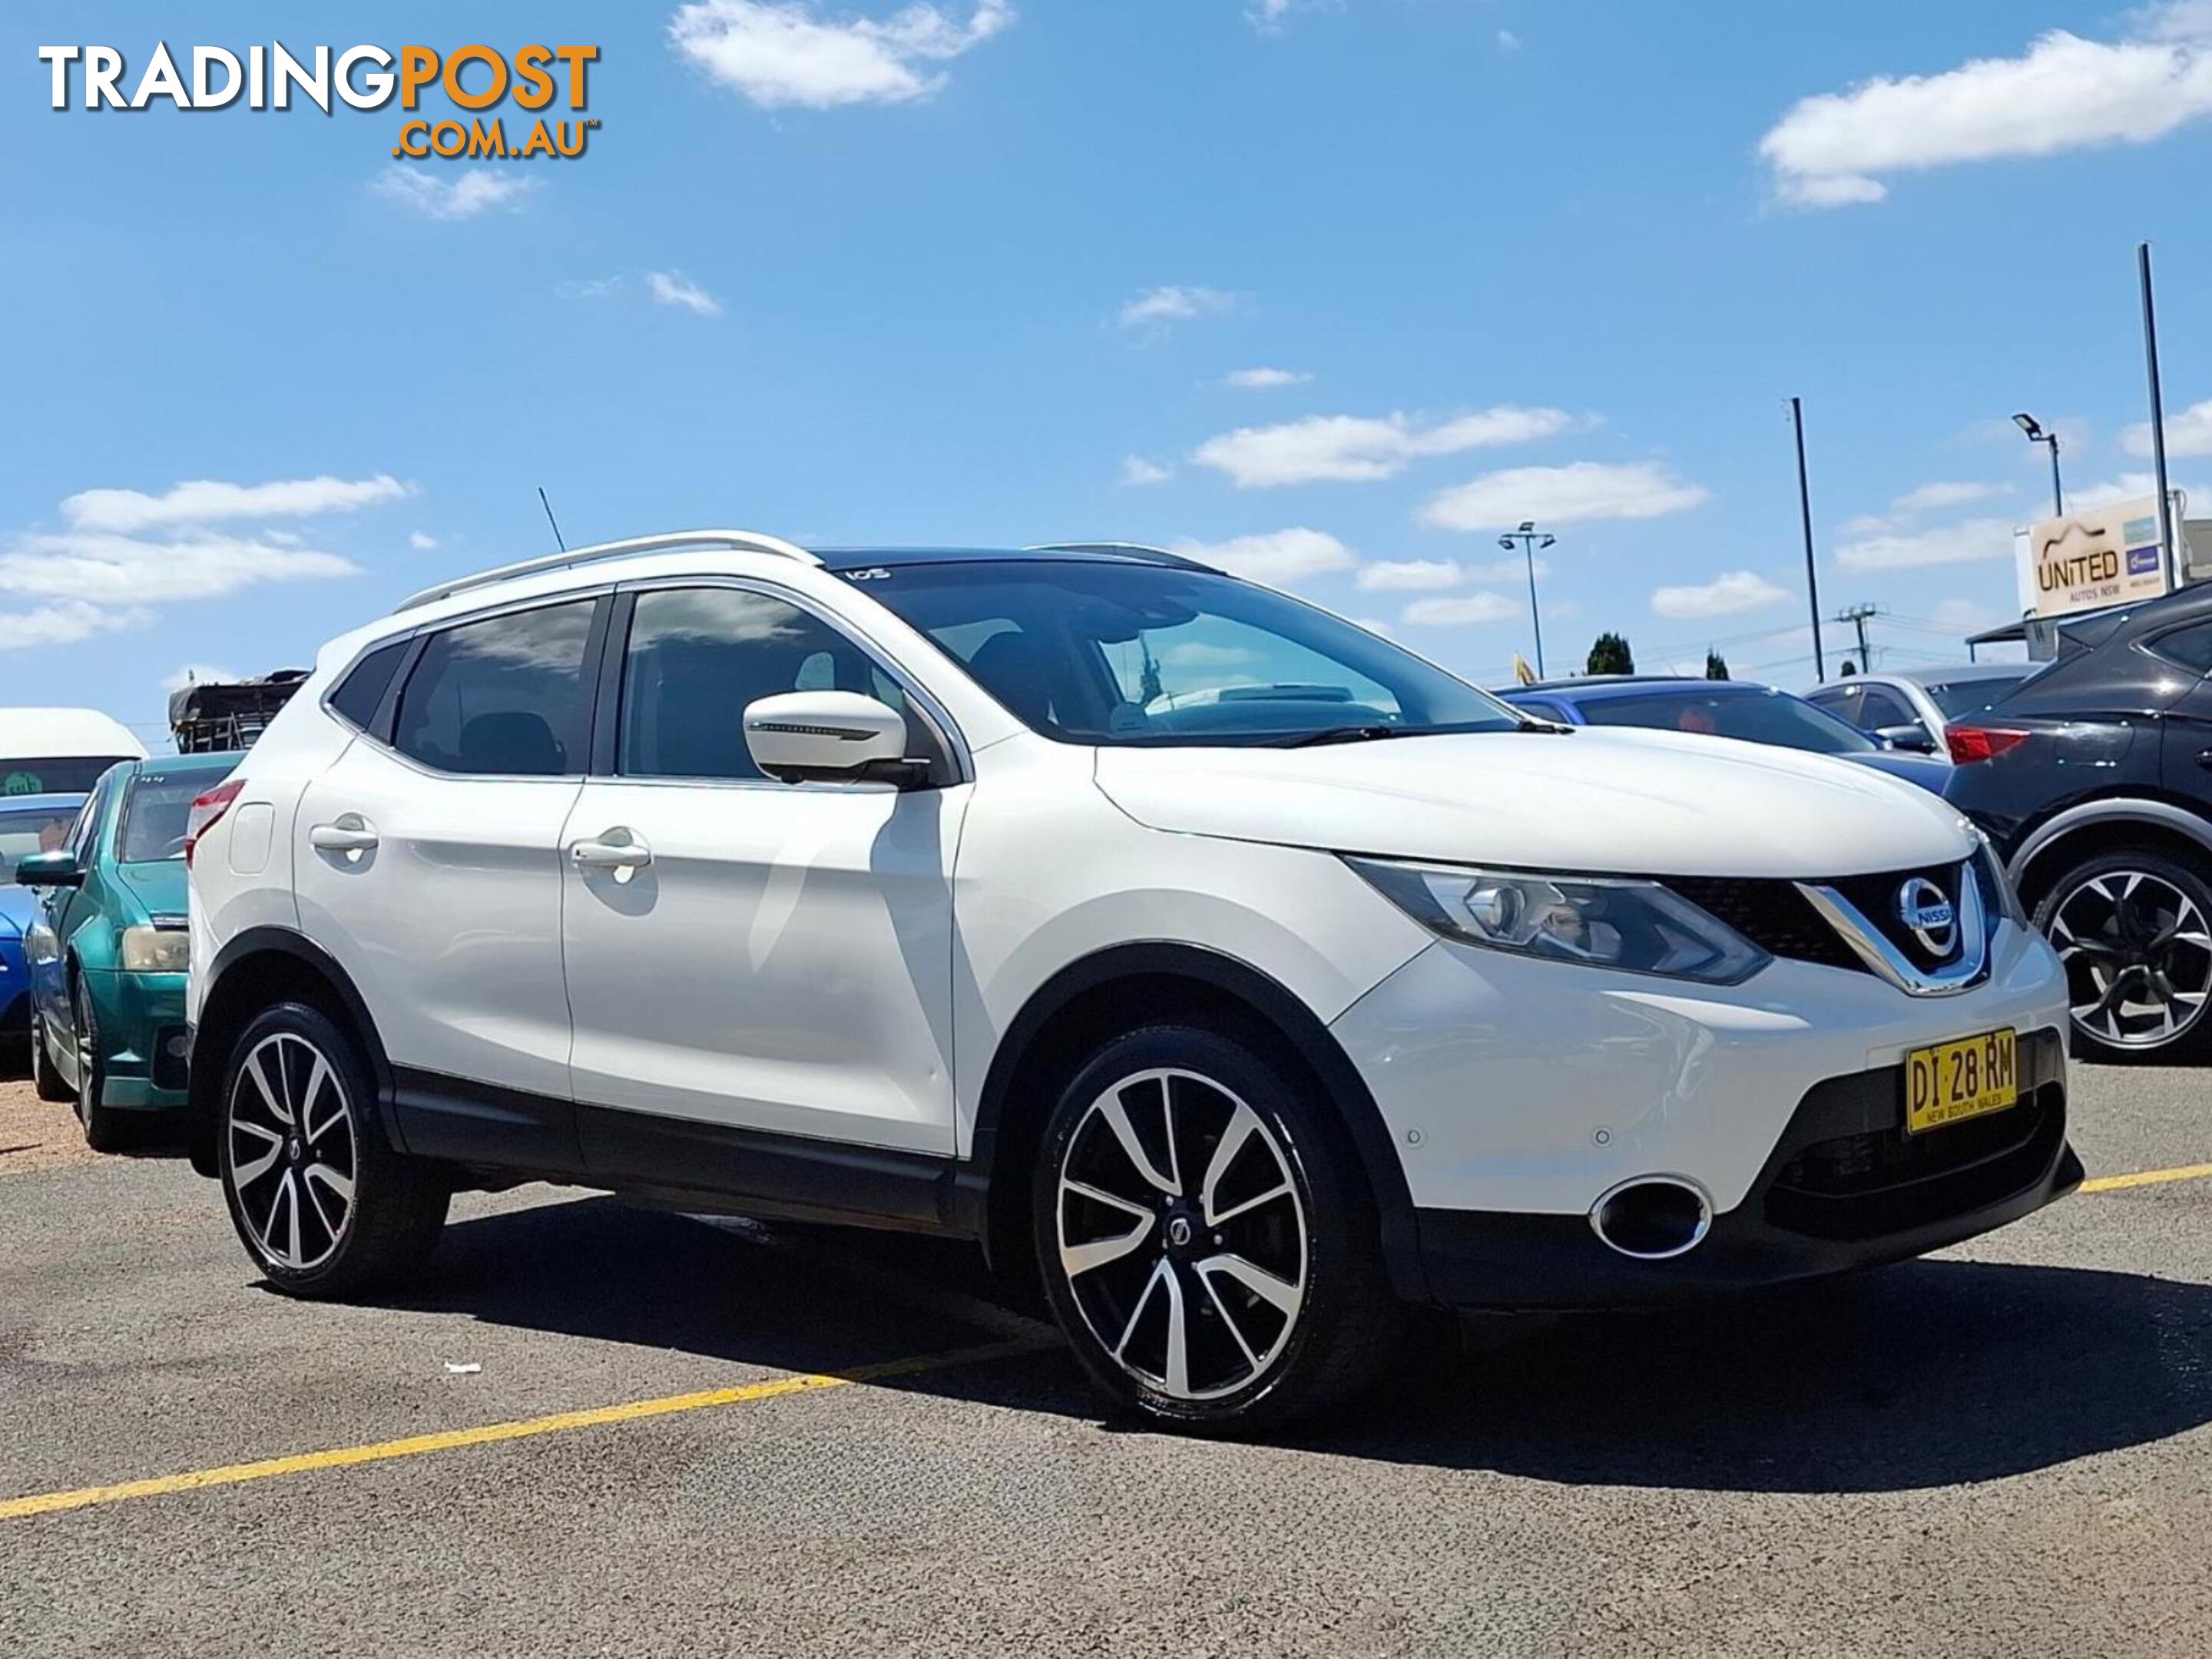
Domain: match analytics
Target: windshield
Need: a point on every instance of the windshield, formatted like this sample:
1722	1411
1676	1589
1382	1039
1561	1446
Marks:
1957	697
1770	717
1099	653
24	831
154	814
50	774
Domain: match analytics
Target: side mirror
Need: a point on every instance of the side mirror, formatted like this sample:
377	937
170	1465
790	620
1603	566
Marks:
1913	739
54	869
799	736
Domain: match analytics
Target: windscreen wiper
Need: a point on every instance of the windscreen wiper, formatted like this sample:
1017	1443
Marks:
1336	734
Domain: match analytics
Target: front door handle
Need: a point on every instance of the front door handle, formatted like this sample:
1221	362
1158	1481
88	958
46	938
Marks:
629	854
351	833
2205	759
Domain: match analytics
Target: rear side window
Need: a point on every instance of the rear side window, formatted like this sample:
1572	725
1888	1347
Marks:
2187	647
361	693
698	655
503	697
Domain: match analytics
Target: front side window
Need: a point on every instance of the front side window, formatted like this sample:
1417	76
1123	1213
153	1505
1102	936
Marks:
1883	709
1756	717
1106	653
697	656
504	696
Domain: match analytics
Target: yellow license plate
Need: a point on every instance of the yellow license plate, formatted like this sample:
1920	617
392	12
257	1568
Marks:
1954	1081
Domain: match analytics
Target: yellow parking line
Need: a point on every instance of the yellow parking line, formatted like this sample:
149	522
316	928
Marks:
451	1439
2147	1178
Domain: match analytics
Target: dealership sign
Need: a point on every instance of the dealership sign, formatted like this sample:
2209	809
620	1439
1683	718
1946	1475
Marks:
2088	561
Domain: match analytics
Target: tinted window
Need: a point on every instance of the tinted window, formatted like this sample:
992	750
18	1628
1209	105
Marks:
358	694
154	814
504	696
1100	653
1957	697
1883	707
1761	717
23	833
697	656
49	775
2188	647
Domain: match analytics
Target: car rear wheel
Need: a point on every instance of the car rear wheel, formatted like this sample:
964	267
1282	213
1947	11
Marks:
46	1081
1204	1237
319	1199
2133	929
106	1129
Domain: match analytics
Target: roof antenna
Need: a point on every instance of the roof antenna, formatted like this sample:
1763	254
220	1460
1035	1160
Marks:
558	539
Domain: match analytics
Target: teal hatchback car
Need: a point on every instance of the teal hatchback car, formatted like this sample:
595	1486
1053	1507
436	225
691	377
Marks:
107	949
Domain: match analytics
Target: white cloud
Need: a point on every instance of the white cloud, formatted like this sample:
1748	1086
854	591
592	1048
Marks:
589	288
1508	41
673	287
1957	543
197	673
1942	494
2065	93
1964	616
1263	380
1730	595
1351	448
421	541
208	501
2132	486
1267	15
1458	612
102	569
1374	625
1136	469
64	624
1563	495
1280	558
2188	432
463	196
1156	309
1410	575
786	54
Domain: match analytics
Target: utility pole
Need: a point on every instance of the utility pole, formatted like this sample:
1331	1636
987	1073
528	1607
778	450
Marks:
1805	510
2166	547
1856	616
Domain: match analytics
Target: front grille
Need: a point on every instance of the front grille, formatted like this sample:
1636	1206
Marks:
1875	897
1772	915
1877	1179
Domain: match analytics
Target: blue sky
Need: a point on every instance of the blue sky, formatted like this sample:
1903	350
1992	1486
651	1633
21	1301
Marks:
968	273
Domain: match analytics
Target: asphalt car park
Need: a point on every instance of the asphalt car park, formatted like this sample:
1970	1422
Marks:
593	1428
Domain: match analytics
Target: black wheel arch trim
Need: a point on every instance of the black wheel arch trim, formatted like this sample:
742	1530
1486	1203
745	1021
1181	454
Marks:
2107	810
1308	1036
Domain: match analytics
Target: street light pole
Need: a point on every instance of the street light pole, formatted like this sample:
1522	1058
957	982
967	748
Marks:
1805	512
1527	536
2036	435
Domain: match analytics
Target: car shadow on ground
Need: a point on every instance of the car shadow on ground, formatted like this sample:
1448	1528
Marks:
1928	1374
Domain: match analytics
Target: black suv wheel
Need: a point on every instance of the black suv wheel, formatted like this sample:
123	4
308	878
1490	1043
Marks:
2134	928
1204	1237
322	1202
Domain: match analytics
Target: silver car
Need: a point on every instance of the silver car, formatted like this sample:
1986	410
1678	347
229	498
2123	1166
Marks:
1910	710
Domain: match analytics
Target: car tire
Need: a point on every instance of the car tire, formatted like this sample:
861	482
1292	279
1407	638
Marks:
323	1204
2133	929
1206	1236
106	1129
46	1081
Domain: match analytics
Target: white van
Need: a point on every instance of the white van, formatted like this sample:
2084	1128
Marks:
48	752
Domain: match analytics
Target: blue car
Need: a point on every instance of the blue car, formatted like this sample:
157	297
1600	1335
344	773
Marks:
29	824
1721	709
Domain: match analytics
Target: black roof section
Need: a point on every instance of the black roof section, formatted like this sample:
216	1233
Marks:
864	558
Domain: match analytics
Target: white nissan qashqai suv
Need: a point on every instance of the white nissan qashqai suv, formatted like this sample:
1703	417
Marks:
1251	974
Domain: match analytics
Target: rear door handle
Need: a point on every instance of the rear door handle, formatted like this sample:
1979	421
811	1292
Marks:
2205	759
351	833
603	855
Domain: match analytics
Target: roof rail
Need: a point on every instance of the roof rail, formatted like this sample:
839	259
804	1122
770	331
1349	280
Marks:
741	541
1160	555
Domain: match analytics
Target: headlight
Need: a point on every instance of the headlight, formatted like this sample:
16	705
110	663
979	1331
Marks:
156	950
1636	927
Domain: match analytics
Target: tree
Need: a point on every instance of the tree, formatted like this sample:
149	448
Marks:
1715	665
1610	655
1849	668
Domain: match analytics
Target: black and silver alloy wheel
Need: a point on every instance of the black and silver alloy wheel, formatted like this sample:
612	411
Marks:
2134	933
1182	1234
1206	1232
293	1152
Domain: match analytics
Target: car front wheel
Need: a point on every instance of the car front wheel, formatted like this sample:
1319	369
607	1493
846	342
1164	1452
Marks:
319	1199
2133	929
1204	1237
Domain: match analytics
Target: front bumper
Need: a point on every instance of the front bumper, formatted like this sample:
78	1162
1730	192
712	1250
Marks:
1843	1188
141	1038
